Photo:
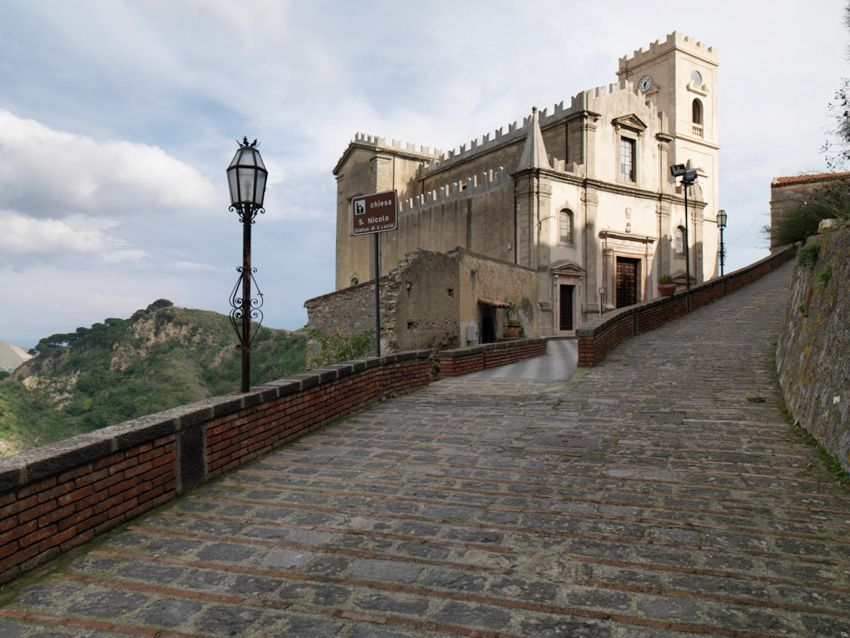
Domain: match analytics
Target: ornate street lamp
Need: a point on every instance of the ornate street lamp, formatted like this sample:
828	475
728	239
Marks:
721	224
246	177
689	176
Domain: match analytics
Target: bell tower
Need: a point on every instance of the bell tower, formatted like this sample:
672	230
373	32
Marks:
679	76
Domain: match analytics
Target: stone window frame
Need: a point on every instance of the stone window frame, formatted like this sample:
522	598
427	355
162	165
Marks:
679	241
629	130
627	146
567	213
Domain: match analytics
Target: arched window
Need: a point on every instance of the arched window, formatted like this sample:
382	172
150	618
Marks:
679	241
565	226
696	110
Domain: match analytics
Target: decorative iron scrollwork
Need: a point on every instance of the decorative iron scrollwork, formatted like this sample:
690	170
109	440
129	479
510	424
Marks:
255	305
252	212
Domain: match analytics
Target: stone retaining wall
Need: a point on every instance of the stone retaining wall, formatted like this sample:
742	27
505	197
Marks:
813	349
59	496
599	336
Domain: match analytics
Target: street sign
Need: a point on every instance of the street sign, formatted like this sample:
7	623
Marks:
376	213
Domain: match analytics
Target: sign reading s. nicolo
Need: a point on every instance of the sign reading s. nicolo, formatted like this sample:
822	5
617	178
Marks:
376	213
371	215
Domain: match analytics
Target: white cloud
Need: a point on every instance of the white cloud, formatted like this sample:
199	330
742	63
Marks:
47	173
194	266
50	239
20	234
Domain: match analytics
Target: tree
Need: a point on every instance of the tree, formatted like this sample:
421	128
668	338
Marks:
836	148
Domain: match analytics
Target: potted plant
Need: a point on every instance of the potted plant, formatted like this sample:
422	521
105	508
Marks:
666	287
513	329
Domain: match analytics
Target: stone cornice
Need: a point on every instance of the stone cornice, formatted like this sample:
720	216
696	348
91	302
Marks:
615	234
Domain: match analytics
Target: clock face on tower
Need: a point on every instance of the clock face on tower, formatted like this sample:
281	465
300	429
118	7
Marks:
645	83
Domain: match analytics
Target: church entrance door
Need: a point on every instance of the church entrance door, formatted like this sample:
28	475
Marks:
565	310
628	276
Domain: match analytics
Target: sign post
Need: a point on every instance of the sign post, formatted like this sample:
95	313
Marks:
373	215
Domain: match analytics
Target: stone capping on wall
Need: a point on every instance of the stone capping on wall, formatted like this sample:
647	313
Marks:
61	495
600	335
461	361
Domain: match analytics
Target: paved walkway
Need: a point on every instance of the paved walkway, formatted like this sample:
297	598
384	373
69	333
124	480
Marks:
661	494
558	364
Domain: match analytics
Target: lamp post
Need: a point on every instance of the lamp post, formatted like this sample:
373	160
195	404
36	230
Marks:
689	176
721	224
246	177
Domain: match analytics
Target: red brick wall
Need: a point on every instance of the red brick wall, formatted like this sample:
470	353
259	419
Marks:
56	513
236	438
454	363
599	336
61	495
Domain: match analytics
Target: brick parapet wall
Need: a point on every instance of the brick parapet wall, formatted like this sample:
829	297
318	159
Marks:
460	361
599	336
59	496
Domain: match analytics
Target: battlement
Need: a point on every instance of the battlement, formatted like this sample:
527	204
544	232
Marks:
584	99
499	137
375	142
607	89
674	40
436	160
475	185
394	145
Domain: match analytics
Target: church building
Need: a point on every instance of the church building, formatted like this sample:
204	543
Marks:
581	195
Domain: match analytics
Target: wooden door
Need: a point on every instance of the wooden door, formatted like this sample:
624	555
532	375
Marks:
628	273
565	314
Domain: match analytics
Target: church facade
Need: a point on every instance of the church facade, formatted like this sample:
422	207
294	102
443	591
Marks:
581	194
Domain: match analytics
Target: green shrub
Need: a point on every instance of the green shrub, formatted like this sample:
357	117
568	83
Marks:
830	201
807	256
337	347
824	276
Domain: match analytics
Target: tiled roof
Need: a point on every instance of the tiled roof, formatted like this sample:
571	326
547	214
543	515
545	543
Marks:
806	179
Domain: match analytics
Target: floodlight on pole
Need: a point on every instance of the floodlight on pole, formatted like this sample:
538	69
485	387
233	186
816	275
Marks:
689	176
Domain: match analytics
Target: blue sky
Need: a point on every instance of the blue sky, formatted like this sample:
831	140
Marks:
118	118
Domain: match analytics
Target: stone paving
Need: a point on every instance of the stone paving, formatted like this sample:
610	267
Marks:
660	494
558	364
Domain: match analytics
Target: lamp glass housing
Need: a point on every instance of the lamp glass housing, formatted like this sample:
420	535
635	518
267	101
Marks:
246	177
721	218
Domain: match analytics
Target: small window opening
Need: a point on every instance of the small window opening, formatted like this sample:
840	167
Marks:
565	226
696	110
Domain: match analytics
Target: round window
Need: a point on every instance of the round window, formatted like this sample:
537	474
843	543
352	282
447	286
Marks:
696	78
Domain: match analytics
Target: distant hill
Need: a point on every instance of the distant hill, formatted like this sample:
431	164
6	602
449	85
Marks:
160	357
11	356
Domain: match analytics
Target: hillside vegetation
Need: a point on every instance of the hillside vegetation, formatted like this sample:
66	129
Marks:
161	357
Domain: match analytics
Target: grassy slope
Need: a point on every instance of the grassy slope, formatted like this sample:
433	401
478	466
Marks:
124	368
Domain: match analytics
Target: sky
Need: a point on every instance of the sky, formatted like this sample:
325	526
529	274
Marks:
118	119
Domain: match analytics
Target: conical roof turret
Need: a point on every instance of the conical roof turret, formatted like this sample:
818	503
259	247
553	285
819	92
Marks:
534	152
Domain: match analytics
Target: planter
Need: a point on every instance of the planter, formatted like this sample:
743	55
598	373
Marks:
666	290
513	332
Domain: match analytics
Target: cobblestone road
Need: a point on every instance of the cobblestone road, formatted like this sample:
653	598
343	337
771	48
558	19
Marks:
662	494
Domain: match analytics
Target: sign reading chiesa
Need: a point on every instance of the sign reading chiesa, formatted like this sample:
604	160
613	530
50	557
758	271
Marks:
376	213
